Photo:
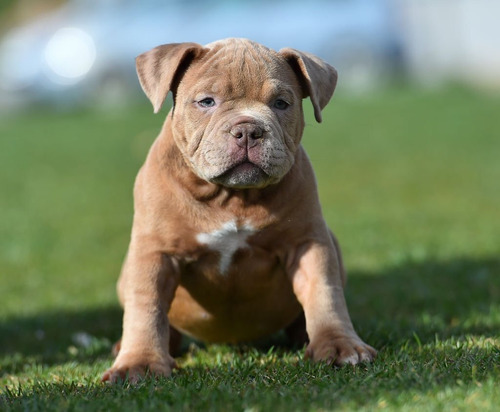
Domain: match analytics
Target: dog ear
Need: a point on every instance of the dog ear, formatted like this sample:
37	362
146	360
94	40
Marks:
317	78
160	69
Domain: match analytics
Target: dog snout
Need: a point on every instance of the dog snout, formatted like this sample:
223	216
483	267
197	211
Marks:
247	134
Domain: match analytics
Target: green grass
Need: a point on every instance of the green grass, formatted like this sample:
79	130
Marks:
409	181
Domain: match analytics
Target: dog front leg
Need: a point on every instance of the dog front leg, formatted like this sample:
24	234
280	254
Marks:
316	275
147	287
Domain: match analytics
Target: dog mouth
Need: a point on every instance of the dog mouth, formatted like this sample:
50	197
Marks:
244	175
244	167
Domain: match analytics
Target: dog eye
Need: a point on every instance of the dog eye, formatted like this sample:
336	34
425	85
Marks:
280	104
207	102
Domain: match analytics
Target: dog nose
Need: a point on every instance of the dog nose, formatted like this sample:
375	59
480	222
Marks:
246	134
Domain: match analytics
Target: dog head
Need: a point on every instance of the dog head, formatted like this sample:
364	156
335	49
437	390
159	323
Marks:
237	117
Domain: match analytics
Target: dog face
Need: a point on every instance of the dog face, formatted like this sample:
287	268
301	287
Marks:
244	116
237	116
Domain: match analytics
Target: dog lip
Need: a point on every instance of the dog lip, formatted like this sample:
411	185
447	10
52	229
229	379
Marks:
245	161
243	175
244	165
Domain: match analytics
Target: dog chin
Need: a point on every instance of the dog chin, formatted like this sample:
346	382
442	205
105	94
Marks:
243	176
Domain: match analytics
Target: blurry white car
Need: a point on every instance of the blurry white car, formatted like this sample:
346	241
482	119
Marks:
85	51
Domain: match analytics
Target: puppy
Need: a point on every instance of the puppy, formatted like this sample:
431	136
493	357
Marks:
228	241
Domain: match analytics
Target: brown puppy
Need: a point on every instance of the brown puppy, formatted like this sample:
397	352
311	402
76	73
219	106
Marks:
228	237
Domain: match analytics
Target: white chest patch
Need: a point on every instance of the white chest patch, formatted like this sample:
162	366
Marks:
227	240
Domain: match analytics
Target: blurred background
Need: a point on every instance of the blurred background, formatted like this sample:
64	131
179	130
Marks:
77	52
406	160
406	157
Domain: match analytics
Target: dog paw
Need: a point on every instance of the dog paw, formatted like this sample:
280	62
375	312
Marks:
340	350
135	370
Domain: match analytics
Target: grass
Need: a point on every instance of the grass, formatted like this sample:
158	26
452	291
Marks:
408	181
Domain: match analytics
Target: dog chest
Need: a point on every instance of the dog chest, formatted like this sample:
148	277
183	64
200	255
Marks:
226	241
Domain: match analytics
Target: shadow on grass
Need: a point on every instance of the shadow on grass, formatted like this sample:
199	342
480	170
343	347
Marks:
425	300
58	337
413	301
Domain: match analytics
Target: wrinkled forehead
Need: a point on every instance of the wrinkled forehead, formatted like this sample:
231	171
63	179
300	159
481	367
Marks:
241	67
242	54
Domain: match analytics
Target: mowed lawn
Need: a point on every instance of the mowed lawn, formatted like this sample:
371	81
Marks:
410	183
